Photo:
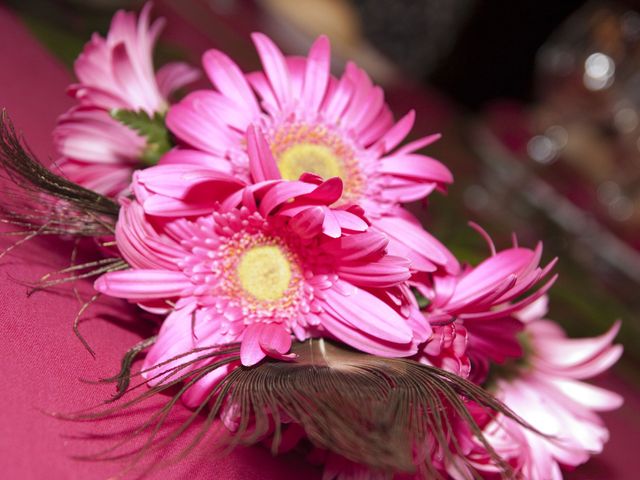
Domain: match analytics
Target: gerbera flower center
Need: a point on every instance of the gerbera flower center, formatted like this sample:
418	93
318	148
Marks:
264	272
299	148
307	157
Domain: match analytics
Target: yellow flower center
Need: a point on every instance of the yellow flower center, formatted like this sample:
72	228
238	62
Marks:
299	148
264	272
308	157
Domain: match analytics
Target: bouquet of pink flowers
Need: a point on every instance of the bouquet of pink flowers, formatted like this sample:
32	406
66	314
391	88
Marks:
302	305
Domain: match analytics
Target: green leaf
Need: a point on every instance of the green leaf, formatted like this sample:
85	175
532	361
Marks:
152	128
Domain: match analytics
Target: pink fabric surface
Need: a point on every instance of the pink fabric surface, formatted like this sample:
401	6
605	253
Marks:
41	359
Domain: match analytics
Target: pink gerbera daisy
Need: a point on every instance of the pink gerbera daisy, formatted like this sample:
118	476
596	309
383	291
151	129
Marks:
316	123
472	313
115	73
545	388
273	260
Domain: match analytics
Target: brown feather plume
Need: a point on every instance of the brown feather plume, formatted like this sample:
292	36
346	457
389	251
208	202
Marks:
371	410
39	202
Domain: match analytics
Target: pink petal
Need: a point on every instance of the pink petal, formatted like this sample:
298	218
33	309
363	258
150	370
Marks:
366	343
397	133
175	75
296	67
162	206
338	98
229	80
282	192
350	221
316	76
216	109
261	162
356	247
386	272
417	240
572	351
130	83
592	397
140	244
180	180
259	82
363	91
187	122
181	156
275	341
250	350
143	284
417	166
308	222
492	272
202	389
411	147
367	313
330	225
405	190
377	128
275	67
370	112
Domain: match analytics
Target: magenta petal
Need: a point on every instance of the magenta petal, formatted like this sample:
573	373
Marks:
366	312
229	80
282	192
175	75
183	156
418	242
387	272
191	125
275	67
316	76
330	225
140	244
418	166
143	284
492	272
418	144
356	247
131	83
397	133
350	221
250	350
308	222
261	162
328	192
275	340
161	206
362	341
178	180
338	99
202	389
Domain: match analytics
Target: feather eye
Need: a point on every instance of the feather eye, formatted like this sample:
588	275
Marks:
39	202
374	411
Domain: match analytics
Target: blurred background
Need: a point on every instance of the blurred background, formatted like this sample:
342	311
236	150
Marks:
538	103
